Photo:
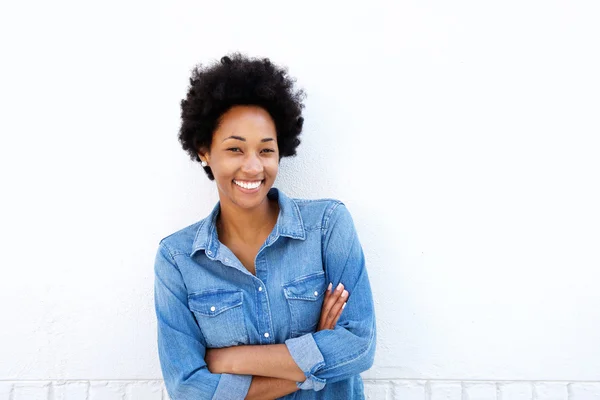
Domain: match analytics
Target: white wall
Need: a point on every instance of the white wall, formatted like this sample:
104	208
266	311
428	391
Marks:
463	136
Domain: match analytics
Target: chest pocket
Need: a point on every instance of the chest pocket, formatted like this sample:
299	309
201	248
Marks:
220	317
304	298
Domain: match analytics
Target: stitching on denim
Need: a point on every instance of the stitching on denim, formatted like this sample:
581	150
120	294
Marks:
199	229
313	228
220	311
213	291
315	368
304	298
268	302
303	278
298	215
327	215
164	246
325	224
217	312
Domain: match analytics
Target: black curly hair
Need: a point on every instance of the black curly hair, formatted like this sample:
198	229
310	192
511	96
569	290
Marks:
240	80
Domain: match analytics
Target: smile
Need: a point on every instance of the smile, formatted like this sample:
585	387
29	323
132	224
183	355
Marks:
249	185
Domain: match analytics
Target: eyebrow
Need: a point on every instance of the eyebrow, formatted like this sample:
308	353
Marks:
244	139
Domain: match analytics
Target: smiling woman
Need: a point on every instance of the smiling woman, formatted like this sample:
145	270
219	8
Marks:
243	156
244	298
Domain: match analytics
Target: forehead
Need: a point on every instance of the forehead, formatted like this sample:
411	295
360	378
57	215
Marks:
250	122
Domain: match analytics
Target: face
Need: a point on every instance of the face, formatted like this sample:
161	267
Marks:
244	157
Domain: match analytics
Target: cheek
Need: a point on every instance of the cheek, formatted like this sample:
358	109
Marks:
272	166
222	171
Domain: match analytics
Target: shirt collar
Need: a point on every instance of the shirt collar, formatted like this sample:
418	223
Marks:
289	224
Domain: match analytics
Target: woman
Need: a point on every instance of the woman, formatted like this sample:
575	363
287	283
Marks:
250	301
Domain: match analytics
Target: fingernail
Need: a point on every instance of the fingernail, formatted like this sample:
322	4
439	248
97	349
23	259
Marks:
343	305
329	287
339	286
344	293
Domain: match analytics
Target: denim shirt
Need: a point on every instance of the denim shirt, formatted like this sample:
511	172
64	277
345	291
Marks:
205	298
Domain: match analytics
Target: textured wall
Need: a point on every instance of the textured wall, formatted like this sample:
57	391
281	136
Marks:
463	137
374	390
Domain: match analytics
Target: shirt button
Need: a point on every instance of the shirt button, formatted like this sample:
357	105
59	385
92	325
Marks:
226	259
260	288
212	308
209	252
267	334
316	293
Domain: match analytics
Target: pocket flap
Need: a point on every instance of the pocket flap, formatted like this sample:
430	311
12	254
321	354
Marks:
214	302
309	287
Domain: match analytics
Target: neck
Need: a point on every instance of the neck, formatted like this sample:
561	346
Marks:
246	225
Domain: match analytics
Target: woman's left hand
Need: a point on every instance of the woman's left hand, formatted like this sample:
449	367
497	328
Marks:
333	305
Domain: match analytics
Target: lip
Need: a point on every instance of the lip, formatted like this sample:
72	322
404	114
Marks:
249	180
248	191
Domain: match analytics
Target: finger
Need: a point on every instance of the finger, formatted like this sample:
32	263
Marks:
337	308
328	292
337	318
327	297
329	303
332	300
325	305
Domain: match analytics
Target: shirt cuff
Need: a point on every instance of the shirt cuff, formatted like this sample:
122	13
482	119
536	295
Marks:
308	357
232	387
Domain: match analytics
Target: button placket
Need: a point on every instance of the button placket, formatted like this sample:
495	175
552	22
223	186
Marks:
264	310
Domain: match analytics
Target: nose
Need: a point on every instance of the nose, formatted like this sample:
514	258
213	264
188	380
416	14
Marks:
252	165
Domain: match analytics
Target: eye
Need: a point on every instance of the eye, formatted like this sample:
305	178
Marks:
234	149
268	150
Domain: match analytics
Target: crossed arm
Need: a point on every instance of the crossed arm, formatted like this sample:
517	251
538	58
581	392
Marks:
274	371
338	350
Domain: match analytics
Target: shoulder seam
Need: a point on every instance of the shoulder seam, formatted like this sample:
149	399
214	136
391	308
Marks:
164	246
329	212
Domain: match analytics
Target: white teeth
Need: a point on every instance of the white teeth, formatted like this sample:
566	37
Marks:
248	185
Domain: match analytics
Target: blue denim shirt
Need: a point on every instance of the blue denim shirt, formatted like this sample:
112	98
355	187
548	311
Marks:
205	298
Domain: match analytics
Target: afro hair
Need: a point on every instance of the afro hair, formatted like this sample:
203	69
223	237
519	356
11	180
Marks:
240	80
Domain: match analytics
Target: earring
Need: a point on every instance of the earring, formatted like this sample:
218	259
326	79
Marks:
204	163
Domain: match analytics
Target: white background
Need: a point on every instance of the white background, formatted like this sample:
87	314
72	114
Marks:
463	136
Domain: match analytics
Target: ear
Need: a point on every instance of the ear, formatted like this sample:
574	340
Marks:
204	154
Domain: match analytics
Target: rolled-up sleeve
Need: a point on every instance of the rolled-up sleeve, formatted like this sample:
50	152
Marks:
334	355
181	347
